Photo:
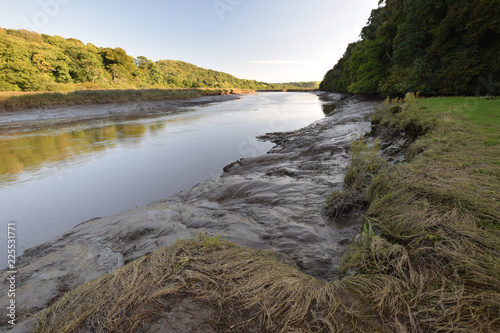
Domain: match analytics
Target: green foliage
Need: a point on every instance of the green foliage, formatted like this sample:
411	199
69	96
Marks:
467	45
301	85
183	74
211	242
369	65
443	46
368	229
339	78
374	22
407	78
33	62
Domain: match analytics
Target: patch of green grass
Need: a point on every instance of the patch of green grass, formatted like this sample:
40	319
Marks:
210	242
368	229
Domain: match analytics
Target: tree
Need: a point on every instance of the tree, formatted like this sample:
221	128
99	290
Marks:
432	46
30	61
151	71
119	64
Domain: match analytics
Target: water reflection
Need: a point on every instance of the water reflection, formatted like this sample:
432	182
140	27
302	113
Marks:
66	175
329	102
30	151
329	108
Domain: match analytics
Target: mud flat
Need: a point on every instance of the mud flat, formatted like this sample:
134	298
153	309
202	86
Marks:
50	116
271	202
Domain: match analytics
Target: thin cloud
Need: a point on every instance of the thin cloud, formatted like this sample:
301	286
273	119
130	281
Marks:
280	62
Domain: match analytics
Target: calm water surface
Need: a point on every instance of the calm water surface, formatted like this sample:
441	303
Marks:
51	180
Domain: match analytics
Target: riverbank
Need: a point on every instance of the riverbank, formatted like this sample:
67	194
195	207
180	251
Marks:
435	252
426	260
289	90
58	115
272	202
19	101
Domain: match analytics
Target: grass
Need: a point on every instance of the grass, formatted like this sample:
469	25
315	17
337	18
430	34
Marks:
427	259
26	100
343	201
364	164
211	241
438	220
250	291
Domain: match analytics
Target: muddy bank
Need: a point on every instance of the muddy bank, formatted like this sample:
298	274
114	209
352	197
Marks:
268	202
51	116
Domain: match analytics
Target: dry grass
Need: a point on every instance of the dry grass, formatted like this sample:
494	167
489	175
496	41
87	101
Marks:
26	100
438	221
341	202
250	290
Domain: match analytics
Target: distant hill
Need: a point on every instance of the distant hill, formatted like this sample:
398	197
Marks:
183	74
301	85
37	62
431	46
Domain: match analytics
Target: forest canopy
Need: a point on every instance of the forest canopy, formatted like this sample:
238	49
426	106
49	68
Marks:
427	46
37	62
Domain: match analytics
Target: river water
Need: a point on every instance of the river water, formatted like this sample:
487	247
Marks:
53	179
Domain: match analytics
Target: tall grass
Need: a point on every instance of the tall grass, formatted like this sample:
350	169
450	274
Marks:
18	101
438	220
364	163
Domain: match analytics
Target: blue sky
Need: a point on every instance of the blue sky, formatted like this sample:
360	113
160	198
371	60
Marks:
272	41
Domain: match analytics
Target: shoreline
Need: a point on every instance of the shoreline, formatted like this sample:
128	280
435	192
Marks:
23	101
413	238
269	202
60	115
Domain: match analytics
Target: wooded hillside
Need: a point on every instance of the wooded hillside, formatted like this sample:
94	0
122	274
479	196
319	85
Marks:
33	62
431	46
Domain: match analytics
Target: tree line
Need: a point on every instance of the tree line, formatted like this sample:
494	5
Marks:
37	62
430	46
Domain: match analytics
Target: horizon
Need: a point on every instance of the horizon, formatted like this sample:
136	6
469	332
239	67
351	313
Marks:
268	42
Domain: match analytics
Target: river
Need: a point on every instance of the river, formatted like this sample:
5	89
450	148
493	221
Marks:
52	179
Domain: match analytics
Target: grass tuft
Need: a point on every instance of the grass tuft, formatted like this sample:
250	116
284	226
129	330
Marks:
249	290
364	164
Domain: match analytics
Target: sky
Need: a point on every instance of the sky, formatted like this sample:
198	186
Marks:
264	40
